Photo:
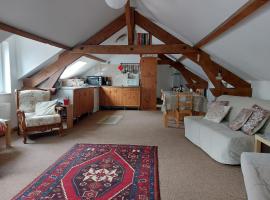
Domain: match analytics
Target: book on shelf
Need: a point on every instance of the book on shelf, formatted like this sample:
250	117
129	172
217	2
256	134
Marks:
143	38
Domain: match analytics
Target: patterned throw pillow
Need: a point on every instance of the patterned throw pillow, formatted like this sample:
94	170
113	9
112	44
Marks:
241	119
216	113
256	121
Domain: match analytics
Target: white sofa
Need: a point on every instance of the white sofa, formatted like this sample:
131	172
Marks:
256	171
218	140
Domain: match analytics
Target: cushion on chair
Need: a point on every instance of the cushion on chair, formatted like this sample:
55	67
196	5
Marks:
46	108
32	120
29	98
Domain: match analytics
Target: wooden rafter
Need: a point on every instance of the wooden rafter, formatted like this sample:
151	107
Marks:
249	8
68	58
135	49
210	67
11	29
92	57
193	80
130	21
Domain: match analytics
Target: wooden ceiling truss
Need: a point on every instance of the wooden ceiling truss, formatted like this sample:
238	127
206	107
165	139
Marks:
202	58
131	18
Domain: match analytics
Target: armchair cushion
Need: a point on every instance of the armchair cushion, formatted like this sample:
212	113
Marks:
45	108
29	98
31	119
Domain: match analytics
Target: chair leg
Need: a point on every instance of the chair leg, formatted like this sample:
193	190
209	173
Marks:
24	137
165	120
177	118
18	131
60	130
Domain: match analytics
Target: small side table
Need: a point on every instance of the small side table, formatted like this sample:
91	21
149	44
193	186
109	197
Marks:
259	139
69	115
7	133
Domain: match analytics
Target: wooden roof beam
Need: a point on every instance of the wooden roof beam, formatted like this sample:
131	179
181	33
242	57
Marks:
14	30
248	9
210	67
130	21
67	58
135	49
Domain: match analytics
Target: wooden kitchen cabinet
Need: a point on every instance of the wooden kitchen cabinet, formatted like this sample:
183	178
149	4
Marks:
148	83
120	96
81	98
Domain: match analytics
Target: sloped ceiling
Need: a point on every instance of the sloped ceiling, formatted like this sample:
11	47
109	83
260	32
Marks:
4	35
192	19
247	47
244	50
66	21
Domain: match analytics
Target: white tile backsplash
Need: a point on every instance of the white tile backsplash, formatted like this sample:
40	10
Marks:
109	70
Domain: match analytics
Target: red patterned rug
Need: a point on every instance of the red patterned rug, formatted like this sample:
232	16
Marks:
102	172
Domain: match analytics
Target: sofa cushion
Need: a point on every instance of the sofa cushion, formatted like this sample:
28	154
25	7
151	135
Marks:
32	120
29	98
256	172
218	140
238	103
216	113
256	121
241	119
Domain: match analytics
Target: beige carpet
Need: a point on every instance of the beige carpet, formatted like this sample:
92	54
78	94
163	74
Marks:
186	172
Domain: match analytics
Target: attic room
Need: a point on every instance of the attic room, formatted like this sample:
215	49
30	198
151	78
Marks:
134	99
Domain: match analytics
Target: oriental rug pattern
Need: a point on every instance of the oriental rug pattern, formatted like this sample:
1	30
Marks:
101	172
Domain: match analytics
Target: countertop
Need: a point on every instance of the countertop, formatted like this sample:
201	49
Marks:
91	86
79	87
124	86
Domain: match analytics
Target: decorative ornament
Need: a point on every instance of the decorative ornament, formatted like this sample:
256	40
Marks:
116	4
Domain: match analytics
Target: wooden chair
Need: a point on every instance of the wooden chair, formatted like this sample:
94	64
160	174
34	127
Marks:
27	120
169	114
184	105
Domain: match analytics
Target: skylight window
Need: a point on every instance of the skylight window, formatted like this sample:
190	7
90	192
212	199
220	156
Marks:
73	69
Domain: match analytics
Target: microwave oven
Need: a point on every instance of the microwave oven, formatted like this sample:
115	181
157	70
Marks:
96	80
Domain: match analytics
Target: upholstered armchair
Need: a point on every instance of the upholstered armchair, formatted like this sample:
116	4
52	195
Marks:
36	113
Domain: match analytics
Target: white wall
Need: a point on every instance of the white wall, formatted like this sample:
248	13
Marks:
31	54
261	89
164	78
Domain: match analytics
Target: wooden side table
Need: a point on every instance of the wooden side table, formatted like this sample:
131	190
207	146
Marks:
7	133
69	115
259	139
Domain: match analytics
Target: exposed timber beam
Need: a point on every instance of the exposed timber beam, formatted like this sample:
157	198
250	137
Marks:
210	67
249	8
92	57
130	21
135	49
193	80
67	58
232	91
11	29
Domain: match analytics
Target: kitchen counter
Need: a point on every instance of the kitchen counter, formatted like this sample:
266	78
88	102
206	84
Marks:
79	87
120	86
